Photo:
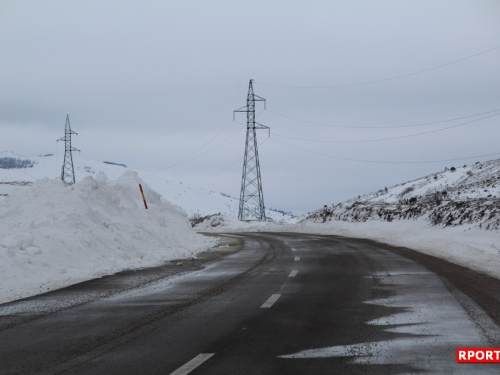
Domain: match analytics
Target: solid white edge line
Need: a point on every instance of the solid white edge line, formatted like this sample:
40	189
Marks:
293	273
297	259
270	301
192	364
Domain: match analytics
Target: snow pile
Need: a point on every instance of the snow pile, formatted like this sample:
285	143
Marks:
52	235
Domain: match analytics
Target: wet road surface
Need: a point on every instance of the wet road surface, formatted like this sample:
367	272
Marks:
285	303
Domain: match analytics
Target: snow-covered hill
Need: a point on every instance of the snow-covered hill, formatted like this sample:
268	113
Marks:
196	201
466	195
479	180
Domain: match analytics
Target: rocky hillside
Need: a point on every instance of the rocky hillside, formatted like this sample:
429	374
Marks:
468	195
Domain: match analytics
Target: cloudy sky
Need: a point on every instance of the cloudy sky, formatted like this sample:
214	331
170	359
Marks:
152	83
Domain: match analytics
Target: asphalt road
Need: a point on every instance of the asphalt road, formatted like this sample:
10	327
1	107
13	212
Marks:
283	304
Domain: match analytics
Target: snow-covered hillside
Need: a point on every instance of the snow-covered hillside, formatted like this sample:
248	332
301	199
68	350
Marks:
479	180
193	199
468	195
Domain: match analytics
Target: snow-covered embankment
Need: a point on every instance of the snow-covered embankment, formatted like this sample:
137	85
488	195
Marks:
52	235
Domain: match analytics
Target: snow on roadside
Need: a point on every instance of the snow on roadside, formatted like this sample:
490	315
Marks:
473	248
52	235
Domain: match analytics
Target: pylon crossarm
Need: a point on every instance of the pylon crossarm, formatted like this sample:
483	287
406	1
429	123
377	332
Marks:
242	109
261	127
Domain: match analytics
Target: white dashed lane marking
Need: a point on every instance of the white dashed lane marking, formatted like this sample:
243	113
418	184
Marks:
193	364
297	259
293	273
270	301
293	249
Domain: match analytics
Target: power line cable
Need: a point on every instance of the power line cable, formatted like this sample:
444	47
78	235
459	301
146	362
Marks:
216	173
206	178
382	127
158	171
384	162
197	156
191	154
94	151
386	139
174	131
217	145
383	79
184	159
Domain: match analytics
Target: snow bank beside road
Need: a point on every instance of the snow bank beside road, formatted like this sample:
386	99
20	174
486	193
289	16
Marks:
52	235
473	248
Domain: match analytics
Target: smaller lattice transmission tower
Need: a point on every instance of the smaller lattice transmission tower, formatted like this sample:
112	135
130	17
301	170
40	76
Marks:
251	196
67	171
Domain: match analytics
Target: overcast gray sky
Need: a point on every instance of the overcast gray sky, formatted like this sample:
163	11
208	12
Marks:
130	73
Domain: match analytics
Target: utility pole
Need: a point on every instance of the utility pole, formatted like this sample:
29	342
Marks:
67	171
251	196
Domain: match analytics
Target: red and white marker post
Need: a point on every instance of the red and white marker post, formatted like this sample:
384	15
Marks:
143	197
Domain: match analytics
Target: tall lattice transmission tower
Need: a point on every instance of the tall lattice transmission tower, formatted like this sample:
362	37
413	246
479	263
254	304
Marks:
251	196
67	171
